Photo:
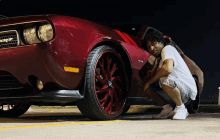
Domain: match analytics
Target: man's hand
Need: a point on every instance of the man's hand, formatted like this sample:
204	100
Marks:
145	86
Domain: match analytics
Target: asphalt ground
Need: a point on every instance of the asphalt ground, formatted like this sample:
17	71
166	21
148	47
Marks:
68	122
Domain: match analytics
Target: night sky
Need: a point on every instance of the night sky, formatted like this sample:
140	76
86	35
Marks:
193	25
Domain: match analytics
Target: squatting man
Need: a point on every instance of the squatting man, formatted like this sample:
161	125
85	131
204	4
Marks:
173	76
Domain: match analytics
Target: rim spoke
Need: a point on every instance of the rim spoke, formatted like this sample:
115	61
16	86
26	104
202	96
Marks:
102	81
108	68
118	89
103	90
113	70
116	98
104	100
116	86
97	88
117	78
108	109
102	68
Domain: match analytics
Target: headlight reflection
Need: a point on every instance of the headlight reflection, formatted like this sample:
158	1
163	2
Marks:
45	33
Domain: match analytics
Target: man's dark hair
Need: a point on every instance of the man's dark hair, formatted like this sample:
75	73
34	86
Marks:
153	36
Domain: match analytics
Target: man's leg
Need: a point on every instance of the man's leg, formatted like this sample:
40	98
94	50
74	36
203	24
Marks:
167	109
150	94
174	94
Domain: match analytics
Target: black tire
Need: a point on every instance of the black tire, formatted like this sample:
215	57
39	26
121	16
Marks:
193	105
106	86
14	110
126	108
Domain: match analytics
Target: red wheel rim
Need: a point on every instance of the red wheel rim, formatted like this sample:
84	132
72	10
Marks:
110	83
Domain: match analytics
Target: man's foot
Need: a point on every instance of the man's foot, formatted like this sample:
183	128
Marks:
165	113
181	113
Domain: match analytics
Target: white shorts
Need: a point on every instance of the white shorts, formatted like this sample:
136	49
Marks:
175	83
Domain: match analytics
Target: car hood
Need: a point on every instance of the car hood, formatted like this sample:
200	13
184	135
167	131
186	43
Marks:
23	19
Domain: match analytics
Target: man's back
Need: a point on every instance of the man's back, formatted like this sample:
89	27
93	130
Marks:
180	72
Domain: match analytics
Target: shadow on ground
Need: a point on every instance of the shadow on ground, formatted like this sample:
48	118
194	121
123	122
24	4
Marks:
135	114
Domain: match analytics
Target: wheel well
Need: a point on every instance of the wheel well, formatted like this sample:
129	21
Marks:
123	54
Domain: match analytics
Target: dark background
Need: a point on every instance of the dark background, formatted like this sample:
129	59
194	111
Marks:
193	25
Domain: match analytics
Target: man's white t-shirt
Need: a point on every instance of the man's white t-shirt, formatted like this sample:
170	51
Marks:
181	72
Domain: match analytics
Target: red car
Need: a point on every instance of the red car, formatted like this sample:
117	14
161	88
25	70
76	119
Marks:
61	60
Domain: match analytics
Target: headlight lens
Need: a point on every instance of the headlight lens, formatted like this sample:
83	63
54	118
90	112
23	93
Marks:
30	35
45	32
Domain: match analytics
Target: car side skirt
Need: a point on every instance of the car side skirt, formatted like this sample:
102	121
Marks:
59	97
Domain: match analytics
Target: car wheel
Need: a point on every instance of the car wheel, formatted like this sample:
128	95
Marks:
12	110
106	86
193	105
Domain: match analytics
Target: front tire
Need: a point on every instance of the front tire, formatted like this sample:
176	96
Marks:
106	86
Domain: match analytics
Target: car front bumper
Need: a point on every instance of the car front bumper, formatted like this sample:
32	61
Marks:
42	62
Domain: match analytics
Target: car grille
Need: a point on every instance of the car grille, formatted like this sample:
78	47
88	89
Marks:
9	39
9	82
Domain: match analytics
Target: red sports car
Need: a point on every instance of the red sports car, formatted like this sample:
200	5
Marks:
61	60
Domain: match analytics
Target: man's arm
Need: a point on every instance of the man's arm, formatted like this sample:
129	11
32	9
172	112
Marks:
166	69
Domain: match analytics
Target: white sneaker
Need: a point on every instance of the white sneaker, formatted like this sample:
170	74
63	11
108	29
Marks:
181	113
175	110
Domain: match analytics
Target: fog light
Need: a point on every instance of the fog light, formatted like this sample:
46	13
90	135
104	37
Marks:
40	84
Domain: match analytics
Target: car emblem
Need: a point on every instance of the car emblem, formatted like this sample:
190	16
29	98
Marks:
6	40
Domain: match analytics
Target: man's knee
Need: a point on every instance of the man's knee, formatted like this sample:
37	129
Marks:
163	79
168	86
165	88
166	83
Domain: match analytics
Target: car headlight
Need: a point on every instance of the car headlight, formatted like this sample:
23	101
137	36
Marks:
30	35
45	32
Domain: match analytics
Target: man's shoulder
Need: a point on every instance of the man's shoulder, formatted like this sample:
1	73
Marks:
169	48
168	51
